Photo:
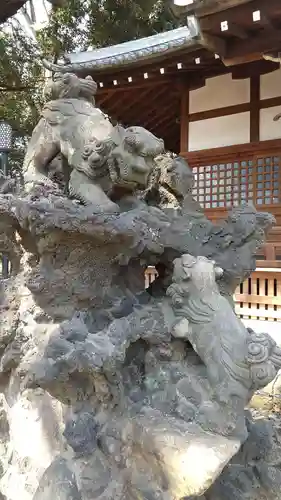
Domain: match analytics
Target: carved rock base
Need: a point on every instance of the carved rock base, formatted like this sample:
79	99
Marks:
100	399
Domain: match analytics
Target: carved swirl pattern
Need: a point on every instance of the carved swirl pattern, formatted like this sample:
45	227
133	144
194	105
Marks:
263	357
257	353
262	374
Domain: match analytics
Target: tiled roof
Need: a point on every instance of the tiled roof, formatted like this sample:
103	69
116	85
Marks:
127	53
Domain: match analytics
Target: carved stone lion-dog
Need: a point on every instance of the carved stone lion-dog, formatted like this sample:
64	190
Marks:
97	156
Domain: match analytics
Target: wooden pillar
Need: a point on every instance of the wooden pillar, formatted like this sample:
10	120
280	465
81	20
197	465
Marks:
255	108
184	119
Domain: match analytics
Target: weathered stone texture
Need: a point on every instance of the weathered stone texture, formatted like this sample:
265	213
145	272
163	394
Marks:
109	391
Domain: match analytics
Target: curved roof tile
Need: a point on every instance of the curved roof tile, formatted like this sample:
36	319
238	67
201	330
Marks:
134	51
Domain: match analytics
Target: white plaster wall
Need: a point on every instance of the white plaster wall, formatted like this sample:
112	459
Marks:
270	85
219	132
268	128
219	92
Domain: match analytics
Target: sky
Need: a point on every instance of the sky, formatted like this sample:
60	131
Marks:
41	8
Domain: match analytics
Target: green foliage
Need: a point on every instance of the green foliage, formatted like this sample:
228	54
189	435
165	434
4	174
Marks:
115	21
80	24
99	23
66	30
21	79
21	76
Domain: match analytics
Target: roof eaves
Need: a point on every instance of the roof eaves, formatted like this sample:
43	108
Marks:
203	8
9	8
136	51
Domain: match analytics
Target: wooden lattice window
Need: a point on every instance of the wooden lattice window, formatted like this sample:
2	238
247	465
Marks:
232	183
268	180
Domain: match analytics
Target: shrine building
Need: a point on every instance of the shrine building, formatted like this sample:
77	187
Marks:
211	90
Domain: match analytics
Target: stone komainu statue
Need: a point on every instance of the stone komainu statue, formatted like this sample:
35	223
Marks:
97	156
148	392
238	361
70	86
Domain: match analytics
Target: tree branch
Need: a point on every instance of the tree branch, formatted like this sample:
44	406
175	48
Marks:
13	88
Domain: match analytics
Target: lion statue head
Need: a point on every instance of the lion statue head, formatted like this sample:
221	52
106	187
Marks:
193	276
70	86
133	157
127	156
169	183
175	174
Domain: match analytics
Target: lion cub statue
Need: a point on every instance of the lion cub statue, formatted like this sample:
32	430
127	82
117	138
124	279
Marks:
238	362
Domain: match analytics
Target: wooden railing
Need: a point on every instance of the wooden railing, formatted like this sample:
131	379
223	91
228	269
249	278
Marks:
259	297
270	255
149	276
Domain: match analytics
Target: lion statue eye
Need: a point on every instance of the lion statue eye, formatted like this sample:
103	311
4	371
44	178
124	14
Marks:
87	151
99	146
